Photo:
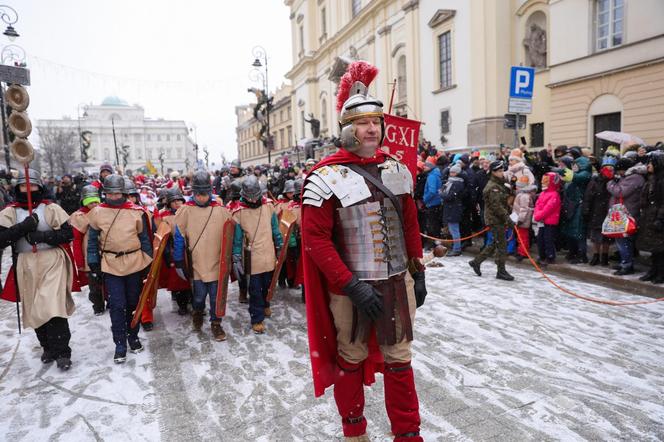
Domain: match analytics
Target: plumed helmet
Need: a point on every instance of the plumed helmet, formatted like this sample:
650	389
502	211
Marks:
201	182
289	186
114	184
174	194
298	183
35	178
234	190
251	189
354	102
129	187
89	191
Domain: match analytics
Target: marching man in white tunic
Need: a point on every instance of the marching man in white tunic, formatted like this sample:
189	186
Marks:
44	273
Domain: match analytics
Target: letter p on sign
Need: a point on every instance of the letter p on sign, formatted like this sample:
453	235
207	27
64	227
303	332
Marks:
521	82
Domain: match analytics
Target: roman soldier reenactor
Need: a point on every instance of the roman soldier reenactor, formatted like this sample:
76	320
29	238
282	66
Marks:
362	266
120	249
79	221
200	222
256	237
43	266
172	278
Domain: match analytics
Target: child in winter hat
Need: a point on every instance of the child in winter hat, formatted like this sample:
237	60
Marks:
524	205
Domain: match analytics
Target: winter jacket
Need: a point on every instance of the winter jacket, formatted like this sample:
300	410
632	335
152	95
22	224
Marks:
431	189
516	171
452	196
572	220
496	208
548	205
650	236
524	204
596	203
421	181
629	188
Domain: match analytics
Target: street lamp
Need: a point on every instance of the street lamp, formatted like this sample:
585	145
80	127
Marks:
260	60
10	17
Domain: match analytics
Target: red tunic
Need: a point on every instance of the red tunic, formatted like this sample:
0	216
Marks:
325	272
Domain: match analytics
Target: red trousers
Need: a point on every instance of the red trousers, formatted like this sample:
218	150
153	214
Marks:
524	234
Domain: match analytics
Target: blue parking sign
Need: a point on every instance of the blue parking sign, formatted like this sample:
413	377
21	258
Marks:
521	82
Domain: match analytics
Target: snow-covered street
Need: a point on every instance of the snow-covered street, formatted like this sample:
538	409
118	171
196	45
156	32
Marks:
493	360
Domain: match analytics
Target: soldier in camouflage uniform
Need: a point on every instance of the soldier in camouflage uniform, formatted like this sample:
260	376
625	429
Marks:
497	217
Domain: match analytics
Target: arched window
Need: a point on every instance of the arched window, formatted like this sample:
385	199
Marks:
534	42
402	80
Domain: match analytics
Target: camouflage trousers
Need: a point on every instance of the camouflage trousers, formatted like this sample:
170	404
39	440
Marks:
498	246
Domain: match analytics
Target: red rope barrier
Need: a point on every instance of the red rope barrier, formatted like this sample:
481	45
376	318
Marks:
457	240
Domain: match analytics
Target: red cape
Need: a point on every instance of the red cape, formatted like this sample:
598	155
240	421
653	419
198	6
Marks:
320	323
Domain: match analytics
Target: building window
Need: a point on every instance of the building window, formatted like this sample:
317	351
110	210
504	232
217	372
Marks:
537	135
609	23
158	137
303	123
601	123
147	137
356	5
168	138
445	122
402	83
178	137
445	53
323	114
323	23
289	130
288	113
301	53
281	139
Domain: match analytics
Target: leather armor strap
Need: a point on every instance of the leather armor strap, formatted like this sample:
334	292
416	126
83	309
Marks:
379	184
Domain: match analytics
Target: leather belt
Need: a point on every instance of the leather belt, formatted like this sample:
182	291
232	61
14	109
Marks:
118	254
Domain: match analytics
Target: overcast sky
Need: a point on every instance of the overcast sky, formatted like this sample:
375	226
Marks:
179	60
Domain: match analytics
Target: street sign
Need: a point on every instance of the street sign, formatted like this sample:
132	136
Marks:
520	105
509	121
15	75
521	82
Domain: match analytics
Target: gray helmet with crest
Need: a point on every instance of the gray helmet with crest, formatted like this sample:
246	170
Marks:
114	184
201	182
354	102
251	189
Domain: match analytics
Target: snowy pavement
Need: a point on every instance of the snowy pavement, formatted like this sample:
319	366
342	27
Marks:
493	361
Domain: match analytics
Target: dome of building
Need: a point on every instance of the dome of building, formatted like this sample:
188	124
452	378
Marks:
114	101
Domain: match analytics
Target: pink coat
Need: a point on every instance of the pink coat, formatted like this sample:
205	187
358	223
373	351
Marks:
547	207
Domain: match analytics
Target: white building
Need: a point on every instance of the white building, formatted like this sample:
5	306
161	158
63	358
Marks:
147	138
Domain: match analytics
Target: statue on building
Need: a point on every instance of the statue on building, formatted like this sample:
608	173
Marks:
535	45
261	110
315	125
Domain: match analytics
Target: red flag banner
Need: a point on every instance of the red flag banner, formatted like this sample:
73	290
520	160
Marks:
401	140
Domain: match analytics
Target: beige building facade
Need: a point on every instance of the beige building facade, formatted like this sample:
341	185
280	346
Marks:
609	73
250	148
597	65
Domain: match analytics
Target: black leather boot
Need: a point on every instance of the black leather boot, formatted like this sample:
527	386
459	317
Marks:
595	260
502	274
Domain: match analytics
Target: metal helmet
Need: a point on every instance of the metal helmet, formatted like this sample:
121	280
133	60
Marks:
201	182
298	186
162	194
289	187
310	162
354	102
263	187
89	191
174	194
235	189
130	187
35	178
114	184
236	163
251	188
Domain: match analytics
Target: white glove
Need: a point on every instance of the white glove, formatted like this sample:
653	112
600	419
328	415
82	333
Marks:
180	273
514	217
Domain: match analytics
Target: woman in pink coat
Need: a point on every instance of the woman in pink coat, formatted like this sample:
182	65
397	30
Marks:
547	215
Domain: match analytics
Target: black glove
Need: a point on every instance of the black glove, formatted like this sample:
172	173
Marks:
658	224
36	237
29	224
420	288
365	297
179	264
95	270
